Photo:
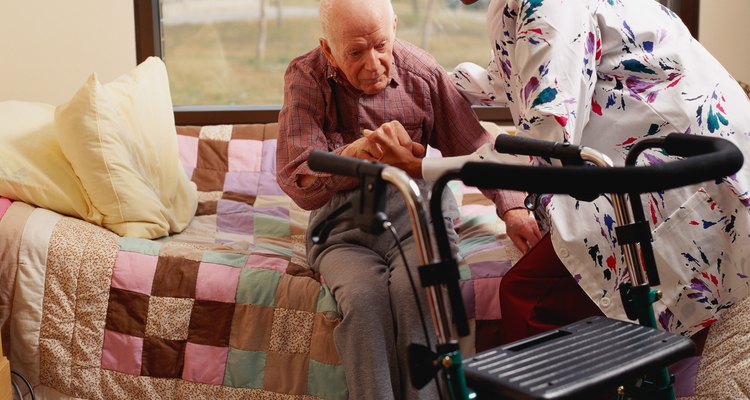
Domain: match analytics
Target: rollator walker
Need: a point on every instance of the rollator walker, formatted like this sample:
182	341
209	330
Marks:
579	360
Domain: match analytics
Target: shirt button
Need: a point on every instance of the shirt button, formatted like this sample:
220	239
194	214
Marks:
605	302
564	253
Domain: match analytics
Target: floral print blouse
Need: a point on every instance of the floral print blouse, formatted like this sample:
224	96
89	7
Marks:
604	74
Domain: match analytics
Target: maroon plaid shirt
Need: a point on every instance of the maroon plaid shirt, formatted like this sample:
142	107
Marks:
323	111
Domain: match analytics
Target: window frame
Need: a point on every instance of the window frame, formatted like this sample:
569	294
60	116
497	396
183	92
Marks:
149	43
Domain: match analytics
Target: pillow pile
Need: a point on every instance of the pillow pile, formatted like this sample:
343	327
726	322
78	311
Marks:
117	162
33	168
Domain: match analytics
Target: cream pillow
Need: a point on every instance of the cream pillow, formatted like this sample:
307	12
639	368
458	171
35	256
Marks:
121	140
33	168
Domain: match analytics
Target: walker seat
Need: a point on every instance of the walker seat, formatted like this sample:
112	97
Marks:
583	358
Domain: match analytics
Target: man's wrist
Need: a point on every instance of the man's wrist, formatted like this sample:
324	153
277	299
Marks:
415	169
514	209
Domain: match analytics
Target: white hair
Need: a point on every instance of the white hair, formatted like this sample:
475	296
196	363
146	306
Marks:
326	11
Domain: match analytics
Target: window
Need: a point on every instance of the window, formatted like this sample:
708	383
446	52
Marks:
226	58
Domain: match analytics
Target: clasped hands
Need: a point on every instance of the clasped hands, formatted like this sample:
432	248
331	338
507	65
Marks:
391	144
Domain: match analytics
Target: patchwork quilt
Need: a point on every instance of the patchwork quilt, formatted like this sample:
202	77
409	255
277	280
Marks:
226	309
234	168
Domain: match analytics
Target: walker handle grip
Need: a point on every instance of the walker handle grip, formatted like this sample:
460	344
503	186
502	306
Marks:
323	161
568	153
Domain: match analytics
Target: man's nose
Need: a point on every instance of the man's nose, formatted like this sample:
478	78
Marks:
372	60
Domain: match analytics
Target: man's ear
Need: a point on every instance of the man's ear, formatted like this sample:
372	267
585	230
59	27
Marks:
327	52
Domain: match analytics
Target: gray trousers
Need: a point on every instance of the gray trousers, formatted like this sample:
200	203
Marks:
369	281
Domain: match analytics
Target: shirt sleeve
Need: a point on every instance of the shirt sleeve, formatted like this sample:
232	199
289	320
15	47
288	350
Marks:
301	122
478	85
458	132
548	52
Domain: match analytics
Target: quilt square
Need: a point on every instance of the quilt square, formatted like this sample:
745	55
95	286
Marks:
230	258
206	208
295	367
326	302
272	262
127	312
469	246
235	217
188	148
122	353
245	369
218	133
245	155
268	185
269	156
245	335
297	293
245	182
175	277
211	323
142	246
326	381
271	221
217	282
189	130
239	198
163	358
258	286
208	180
291	331
168	317
134	272
299	219
489	269
205	364
188	171
249	131
213	155
322	348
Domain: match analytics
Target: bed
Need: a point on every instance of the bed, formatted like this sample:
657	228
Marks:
228	308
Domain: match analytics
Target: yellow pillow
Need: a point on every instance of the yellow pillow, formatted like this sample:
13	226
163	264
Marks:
121	140
33	168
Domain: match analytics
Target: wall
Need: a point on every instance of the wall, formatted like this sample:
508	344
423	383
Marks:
725	32
48	48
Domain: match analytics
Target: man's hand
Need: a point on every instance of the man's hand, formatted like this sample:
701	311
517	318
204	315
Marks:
397	147
364	149
521	227
360	148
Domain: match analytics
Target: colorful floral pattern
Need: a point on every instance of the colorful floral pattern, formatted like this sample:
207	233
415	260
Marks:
605	74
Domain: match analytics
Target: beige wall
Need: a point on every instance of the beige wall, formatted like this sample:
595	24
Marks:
49	47
724	30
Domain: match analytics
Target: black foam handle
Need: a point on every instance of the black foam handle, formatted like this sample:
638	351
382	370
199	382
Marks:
716	158
684	145
566	152
322	161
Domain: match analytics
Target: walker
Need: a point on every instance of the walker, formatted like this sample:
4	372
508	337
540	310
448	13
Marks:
577	360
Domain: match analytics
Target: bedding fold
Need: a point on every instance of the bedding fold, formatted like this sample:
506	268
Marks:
13	217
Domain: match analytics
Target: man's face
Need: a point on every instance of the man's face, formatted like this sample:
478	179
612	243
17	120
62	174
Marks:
364	53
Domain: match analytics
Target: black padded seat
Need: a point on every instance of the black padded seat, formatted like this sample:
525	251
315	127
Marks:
575	361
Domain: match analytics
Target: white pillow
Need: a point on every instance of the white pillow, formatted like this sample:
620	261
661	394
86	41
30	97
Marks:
121	140
33	168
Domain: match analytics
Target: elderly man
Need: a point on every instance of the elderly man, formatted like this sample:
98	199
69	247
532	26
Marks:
365	94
